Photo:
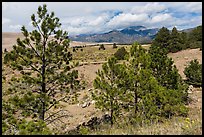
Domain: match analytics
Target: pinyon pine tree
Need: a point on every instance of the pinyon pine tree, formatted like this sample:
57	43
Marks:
175	41
162	39
166	73
43	60
108	88
120	54
138	62
193	73
162	66
195	38
153	98
184	40
141	87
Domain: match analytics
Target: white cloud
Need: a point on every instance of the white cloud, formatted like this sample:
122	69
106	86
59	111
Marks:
195	21
30	24
148	8
77	21
186	7
99	20
4	5
161	18
15	27
194	7
86	24
5	21
77	30
127	19
93	17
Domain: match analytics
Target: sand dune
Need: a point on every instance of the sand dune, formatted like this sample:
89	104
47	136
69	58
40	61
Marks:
9	39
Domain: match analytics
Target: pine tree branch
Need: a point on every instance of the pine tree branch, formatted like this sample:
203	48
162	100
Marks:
57	118
36	91
41	100
54	103
30	109
51	90
51	81
34	49
51	60
27	69
39	28
28	64
54	114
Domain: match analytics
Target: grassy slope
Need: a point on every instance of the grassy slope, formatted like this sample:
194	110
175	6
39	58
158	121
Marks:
192	125
177	125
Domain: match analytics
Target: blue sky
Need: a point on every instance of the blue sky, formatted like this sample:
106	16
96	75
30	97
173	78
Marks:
98	17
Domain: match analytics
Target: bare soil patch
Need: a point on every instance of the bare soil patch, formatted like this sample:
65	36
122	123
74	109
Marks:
88	73
182	58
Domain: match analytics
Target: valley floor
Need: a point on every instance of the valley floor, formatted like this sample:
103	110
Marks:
87	72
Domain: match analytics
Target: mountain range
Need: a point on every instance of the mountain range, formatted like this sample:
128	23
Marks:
125	36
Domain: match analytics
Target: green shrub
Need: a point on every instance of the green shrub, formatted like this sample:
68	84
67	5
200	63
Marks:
33	128
195	44
175	41
193	73
102	47
114	46
106	95
147	86
121	53
74	49
84	130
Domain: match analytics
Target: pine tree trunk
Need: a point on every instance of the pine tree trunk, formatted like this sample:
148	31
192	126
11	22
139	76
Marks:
42	113
111	113
135	103
43	103
111	101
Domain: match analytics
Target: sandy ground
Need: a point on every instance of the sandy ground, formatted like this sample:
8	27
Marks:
88	73
9	39
182	58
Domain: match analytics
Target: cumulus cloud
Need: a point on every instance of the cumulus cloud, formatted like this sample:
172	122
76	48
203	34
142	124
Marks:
148	8
98	17
185	7
151	15
194	7
4	6
87	24
161	18
15	27
5	21
126	19
99	20
77	30
90	20
76	21
195	21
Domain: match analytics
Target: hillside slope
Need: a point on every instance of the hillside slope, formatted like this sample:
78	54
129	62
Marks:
126	36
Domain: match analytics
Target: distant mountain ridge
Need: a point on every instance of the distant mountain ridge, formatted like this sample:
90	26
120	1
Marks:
127	35
188	30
